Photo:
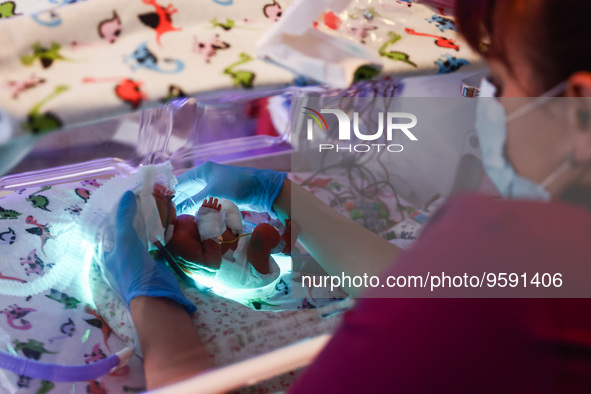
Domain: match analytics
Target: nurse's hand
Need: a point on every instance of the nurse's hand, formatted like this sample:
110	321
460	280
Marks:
132	269
249	188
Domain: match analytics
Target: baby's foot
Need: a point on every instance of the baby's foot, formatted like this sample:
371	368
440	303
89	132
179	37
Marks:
263	239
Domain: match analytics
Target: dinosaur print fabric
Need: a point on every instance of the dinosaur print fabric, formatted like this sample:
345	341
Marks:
59	324
65	324
69	325
68	61
76	61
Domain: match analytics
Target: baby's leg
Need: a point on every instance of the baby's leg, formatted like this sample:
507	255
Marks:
186	242
263	239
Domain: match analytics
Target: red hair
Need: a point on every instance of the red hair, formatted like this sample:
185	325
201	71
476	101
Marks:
553	35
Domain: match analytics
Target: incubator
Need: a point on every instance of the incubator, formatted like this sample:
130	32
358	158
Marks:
181	146
59	308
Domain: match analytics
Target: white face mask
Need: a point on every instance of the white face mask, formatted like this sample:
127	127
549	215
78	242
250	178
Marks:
491	125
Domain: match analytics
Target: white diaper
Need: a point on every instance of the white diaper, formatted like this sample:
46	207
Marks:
235	270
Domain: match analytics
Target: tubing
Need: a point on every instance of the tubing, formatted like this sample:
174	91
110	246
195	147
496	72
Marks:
63	373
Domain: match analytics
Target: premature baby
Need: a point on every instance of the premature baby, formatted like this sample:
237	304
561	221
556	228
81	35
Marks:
214	238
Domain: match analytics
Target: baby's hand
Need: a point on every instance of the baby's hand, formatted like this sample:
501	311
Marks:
212	203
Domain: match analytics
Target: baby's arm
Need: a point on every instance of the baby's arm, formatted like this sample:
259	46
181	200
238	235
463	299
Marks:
195	238
211	225
212	203
210	220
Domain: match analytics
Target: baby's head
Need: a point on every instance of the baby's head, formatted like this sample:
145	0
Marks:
166	208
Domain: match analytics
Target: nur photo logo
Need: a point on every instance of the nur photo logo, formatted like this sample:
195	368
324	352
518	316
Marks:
388	123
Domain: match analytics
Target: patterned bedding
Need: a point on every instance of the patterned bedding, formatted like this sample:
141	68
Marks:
68	325
67	61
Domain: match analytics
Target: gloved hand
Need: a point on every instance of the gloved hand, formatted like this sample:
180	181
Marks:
249	188
131	267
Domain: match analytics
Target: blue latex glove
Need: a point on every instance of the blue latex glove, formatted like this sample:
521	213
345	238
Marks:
249	188
133	269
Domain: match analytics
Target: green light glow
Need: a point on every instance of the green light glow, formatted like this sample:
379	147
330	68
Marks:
88	250
11	349
85	336
284	263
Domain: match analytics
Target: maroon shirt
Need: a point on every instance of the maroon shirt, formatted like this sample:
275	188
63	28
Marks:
471	345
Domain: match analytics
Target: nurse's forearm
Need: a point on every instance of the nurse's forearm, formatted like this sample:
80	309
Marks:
339	244
170	344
